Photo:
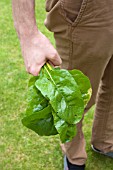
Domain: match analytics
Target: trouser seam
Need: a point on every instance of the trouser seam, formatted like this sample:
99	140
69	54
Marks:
79	18
70	29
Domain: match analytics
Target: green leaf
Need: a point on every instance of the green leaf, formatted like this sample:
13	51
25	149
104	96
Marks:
60	88
41	122
38	113
56	102
66	131
83	83
36	101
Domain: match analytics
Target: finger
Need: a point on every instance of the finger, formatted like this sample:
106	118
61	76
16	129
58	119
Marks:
51	63
34	70
55	59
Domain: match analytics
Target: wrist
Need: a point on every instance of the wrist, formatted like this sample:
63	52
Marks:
33	39
24	32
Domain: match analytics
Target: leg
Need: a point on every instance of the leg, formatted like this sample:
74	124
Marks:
102	133
84	44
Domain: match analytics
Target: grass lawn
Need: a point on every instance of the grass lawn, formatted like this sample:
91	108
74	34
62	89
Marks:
20	148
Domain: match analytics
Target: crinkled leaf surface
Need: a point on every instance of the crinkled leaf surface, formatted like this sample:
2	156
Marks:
64	95
66	131
41	122
36	101
38	113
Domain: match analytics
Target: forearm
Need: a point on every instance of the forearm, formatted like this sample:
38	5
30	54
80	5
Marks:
36	48
24	17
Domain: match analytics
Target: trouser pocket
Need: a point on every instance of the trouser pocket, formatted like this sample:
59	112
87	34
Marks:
60	12
50	4
71	9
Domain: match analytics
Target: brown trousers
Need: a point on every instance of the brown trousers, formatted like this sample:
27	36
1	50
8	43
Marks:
83	30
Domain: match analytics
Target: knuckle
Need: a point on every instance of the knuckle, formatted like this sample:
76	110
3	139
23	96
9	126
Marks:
35	74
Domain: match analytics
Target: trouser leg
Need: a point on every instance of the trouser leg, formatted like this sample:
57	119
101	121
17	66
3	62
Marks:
102	133
83	58
85	44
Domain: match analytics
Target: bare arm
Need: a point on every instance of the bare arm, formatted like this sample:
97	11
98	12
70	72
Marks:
24	17
36	48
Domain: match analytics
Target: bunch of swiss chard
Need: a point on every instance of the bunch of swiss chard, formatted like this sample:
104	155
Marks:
56	102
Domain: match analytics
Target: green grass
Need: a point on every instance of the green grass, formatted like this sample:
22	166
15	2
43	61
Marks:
20	148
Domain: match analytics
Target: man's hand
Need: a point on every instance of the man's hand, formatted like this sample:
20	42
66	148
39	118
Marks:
36	48
36	51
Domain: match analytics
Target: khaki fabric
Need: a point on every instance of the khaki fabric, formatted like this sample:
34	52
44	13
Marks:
83	31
